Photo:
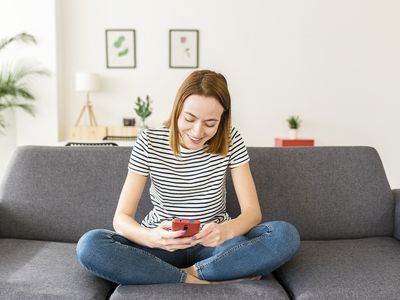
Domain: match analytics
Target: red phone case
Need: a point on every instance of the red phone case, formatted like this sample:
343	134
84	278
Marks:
190	226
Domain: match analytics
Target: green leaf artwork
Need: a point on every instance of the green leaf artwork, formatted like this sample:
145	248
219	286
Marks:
121	48
118	44
124	52
119	41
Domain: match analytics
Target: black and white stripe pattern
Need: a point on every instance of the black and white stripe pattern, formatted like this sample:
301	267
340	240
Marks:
189	186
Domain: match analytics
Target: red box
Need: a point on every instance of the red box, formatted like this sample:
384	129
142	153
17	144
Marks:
279	142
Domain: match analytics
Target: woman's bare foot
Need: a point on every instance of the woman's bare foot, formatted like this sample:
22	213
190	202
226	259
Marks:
194	279
192	276
192	271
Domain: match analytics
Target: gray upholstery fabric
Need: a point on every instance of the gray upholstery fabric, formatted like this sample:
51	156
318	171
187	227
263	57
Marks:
267	288
59	193
396	194
344	269
46	270
326	192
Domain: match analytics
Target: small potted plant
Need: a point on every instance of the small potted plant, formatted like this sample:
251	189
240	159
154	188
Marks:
143	110
294	125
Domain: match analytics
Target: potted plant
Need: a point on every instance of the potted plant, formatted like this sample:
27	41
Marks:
294	125
14	92
143	110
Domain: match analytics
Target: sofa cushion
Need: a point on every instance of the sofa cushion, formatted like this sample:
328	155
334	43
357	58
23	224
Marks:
267	288
326	192
46	270
344	269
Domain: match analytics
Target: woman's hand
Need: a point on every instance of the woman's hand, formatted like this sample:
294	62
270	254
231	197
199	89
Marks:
164	238
212	235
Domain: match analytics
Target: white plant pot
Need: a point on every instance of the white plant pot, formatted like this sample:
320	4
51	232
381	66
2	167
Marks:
293	134
142	126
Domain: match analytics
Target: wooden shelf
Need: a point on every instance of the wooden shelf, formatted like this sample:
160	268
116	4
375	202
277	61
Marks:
128	131
90	133
95	133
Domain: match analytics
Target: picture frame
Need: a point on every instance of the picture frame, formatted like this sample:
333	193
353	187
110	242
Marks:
184	48
121	48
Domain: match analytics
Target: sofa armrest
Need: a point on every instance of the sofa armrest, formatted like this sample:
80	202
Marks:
396	195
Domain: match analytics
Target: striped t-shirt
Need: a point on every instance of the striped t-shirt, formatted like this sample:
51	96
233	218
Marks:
191	185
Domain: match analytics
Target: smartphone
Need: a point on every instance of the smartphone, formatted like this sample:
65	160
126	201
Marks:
190	226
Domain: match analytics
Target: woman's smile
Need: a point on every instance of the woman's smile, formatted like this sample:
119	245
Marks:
199	120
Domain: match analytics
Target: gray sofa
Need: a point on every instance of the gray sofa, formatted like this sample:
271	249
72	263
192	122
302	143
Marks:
338	198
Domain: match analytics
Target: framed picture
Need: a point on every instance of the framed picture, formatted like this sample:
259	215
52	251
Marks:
183	48
121	48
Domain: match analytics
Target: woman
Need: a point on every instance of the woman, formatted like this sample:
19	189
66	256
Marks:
187	161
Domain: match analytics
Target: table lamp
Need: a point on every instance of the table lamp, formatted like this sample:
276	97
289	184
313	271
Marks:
87	82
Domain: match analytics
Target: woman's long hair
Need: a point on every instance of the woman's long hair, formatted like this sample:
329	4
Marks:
208	84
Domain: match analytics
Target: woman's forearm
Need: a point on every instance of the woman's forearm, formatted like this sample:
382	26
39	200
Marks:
130	229
243	223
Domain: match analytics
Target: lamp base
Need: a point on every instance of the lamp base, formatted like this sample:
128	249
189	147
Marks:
89	107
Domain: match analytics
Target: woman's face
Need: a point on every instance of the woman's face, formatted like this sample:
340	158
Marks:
198	121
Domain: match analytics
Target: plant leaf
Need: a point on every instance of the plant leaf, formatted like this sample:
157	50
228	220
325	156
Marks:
24	37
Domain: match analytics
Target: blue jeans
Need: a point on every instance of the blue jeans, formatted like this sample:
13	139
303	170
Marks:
115	258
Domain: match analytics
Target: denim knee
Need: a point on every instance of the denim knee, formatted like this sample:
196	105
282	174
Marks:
87	244
287	235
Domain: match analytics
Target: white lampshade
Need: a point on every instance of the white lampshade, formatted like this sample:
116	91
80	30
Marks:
86	82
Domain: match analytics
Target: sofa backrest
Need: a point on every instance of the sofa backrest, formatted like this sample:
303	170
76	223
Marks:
326	192
59	193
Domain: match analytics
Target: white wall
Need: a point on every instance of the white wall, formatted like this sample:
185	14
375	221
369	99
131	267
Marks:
39	20
334	63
